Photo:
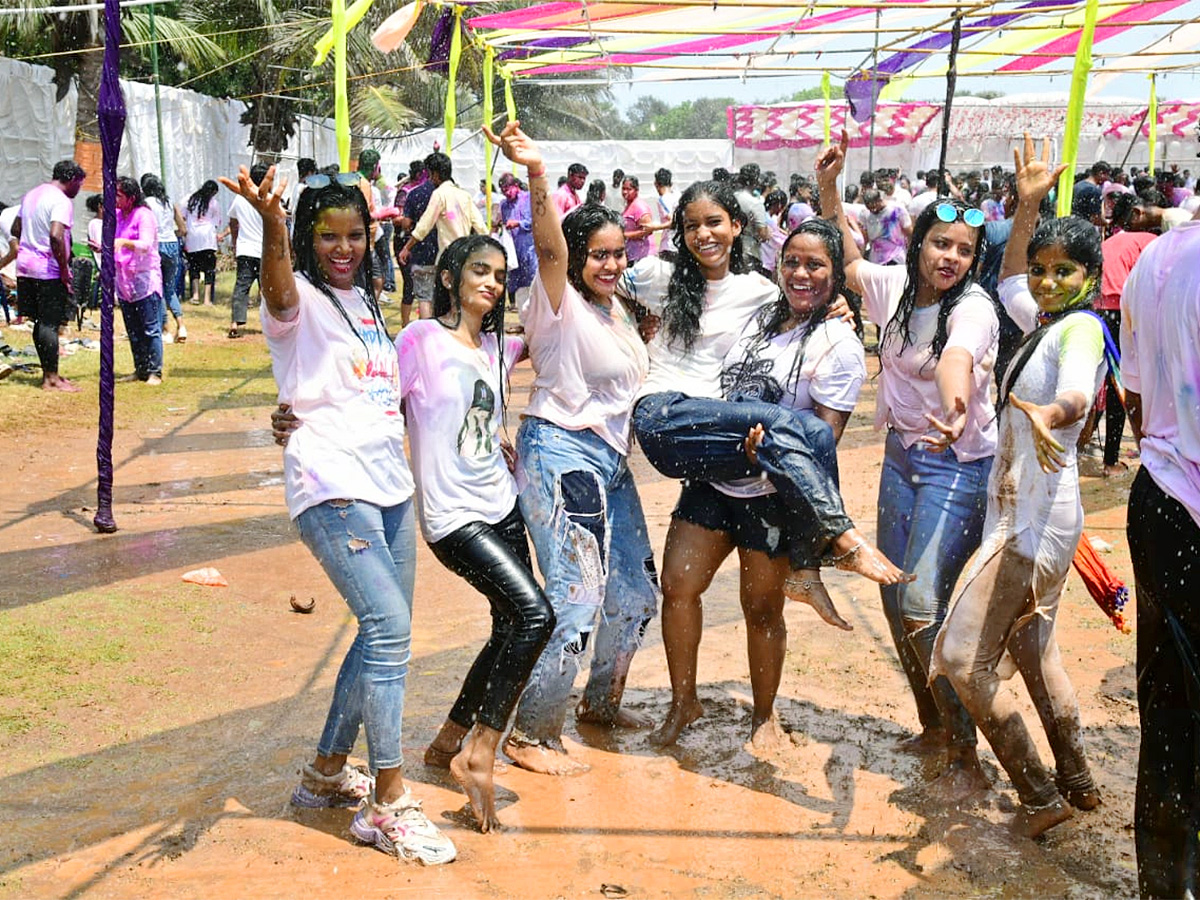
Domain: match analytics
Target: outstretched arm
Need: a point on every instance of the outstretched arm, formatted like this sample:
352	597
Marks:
276	277
548	240
1035	178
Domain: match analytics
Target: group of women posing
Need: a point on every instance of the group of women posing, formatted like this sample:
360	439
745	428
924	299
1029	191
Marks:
741	389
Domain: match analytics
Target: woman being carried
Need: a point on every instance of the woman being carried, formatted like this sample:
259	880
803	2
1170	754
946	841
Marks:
579	499
938	335
349	490
793	355
1007	608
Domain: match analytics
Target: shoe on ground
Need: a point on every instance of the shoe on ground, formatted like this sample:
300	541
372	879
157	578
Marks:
349	787
5	370
402	830
167	338
181	335
154	379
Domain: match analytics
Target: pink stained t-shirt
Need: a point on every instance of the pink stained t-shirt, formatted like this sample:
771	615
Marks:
631	219
907	390
138	268
588	363
40	208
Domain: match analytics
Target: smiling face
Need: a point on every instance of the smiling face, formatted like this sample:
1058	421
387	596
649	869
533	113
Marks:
604	263
946	256
1055	280
481	283
340	244
805	274
708	234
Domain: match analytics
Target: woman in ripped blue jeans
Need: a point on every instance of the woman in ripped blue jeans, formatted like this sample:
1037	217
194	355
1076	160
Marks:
579	501
937	347
349	491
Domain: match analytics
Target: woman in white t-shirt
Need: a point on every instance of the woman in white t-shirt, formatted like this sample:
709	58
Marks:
1004	616
789	354
170	226
203	222
938	337
349	493
454	372
578	496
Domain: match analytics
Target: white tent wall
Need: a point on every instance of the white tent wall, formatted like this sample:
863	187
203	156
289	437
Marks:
38	132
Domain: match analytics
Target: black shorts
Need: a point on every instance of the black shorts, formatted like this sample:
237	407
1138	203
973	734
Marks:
752	523
44	300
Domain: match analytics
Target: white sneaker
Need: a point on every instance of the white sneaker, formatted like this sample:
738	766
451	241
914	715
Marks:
181	334
402	830
5	370
167	338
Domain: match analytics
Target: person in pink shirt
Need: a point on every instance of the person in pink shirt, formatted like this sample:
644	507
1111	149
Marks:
566	198
44	264
139	280
635	220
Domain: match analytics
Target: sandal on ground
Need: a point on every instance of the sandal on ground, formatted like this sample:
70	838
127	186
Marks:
234	333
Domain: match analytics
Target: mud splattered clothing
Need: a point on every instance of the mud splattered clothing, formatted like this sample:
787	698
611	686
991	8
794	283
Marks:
581	504
1003	619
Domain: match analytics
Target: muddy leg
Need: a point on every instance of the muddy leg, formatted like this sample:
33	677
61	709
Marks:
766	641
472	769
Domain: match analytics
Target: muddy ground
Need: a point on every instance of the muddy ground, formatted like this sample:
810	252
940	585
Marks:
153	730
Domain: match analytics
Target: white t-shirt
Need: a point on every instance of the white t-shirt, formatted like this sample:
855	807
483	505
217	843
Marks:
344	386
831	373
664	211
164	216
1160	359
202	228
452	404
7	218
588	364
728	305
250	228
41	207
907	390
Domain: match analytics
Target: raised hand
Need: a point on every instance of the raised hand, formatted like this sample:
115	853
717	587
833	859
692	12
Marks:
832	160
266	197
1034	176
516	145
1049	451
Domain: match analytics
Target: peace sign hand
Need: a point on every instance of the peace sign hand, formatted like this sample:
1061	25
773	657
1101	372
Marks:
1034	177
516	145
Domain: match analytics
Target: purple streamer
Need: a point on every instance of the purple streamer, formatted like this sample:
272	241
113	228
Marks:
529	47
439	43
111	113
862	90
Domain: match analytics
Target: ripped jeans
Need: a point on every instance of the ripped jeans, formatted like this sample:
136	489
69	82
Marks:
586	522
370	554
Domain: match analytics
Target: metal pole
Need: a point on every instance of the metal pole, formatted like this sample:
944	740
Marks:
874	98
162	148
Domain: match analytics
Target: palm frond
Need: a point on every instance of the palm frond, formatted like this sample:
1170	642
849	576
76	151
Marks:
185	42
382	108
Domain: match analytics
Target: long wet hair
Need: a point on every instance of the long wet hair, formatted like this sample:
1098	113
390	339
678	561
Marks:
152	186
578	226
446	299
311	204
686	289
898	327
198	203
131	189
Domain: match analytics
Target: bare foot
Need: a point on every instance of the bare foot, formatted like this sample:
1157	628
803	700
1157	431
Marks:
928	742
1119	470
437	758
60	384
472	769
769	735
852	553
958	782
543	759
680	717
1030	822
622	718
805	586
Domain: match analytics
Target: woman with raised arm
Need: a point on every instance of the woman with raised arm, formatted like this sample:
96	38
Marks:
579	499
349	492
1006	610
938	336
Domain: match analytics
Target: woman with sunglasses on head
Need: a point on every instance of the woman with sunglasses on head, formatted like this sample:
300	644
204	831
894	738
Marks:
1006	611
579	499
938	337
349	492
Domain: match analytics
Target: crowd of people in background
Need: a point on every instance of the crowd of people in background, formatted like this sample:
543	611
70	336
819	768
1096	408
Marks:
722	326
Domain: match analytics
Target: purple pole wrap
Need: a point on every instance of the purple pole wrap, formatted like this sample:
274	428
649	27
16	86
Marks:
111	113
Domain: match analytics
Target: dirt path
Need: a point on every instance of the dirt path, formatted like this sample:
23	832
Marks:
154	731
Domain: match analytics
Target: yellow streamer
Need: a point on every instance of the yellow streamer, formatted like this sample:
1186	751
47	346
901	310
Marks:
510	104
1079	77
825	93
1152	115
353	16
451	97
341	106
489	60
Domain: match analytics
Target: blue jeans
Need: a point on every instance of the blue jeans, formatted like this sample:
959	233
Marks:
702	439
931	510
585	518
143	324
168	255
370	555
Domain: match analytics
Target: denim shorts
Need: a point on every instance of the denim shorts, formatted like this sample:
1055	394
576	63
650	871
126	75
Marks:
752	523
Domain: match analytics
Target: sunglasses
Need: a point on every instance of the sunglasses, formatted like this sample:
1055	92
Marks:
948	212
350	179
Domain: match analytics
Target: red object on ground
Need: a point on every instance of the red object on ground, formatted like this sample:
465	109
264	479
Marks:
1109	591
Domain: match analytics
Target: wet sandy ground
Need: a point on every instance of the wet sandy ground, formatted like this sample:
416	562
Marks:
174	783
